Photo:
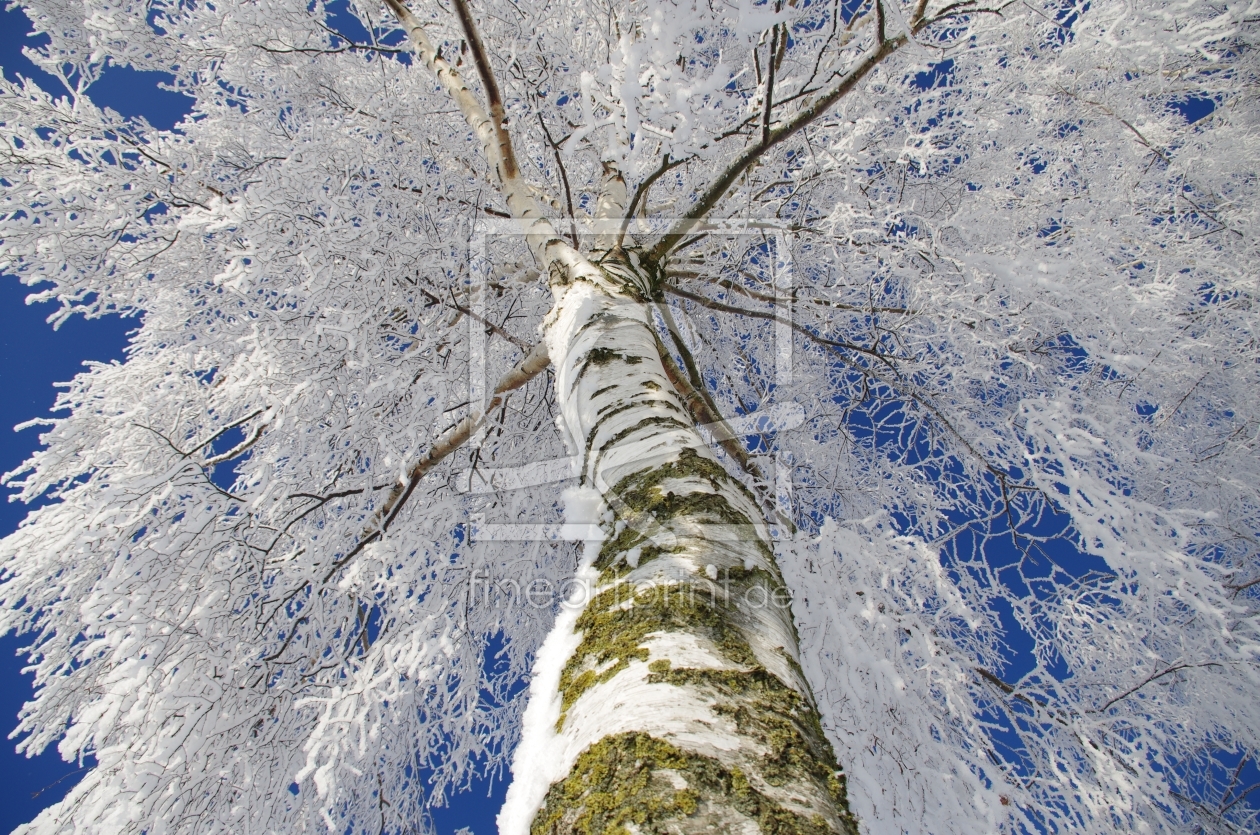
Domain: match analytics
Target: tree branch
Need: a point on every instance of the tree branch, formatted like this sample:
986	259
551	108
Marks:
703	410
774	317
491	326
640	193
769	299
541	236
884	46
768	105
1172	668
496	143
696	395
305	50
564	181
1242	795
491	87
1243	586
610	205
455	437
723	181
866	371
239	449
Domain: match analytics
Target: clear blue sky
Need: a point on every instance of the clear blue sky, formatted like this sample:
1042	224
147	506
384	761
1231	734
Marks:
33	358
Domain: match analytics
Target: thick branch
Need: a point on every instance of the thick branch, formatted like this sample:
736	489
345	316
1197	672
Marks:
543	239
723	181
495	141
884	46
769	102
610	208
455	437
482	62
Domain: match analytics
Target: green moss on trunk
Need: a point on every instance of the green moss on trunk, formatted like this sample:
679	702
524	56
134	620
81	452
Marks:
618	620
769	762
639	490
634	779
774	714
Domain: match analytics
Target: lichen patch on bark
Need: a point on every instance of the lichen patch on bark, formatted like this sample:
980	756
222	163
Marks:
634	779
616	623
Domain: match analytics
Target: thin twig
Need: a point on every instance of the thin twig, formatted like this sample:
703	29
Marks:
564	181
774	317
1174	668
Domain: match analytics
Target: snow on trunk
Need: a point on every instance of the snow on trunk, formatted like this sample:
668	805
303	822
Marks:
670	692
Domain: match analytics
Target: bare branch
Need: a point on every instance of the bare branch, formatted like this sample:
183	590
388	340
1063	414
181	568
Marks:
495	140
491	87
640	194
564	181
455	437
208	441
769	299
1243	586
492	327
543	239
1172	668
774	317
768	105
325	50
720	184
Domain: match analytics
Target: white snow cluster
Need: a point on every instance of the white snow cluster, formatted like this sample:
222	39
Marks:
538	760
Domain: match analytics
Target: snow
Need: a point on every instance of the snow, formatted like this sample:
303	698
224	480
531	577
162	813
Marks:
538	761
889	704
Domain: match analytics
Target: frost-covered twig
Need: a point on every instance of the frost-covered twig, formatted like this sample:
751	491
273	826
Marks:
529	367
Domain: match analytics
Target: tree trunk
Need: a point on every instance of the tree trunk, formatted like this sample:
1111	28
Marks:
680	706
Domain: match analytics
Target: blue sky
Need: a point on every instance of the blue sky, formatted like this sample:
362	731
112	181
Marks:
33	358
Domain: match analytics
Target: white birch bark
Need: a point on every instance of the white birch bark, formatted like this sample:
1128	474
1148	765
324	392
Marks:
679	703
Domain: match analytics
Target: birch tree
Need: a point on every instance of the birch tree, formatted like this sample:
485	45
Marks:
842	415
